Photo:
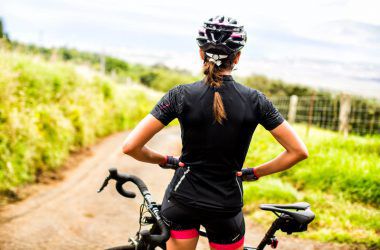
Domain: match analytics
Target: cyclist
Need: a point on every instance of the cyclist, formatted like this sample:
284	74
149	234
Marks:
218	117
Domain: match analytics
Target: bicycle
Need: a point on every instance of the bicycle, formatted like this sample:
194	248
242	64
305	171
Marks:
291	218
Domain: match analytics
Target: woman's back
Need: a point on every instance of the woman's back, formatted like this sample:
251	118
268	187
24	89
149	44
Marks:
218	117
213	152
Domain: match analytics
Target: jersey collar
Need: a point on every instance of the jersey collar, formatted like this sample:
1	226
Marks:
227	78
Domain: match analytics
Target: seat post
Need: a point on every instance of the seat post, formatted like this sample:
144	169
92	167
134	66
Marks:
267	240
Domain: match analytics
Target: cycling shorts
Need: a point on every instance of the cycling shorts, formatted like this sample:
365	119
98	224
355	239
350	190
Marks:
184	223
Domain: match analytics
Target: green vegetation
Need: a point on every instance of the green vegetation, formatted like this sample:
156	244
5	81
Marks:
1	28
162	78
277	87
158	76
48	110
340	180
3	34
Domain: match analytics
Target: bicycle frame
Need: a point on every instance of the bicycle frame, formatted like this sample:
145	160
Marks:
157	236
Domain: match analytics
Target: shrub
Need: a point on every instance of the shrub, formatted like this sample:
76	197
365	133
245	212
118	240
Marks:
48	110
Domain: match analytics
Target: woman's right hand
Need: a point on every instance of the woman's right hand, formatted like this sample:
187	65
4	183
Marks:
171	163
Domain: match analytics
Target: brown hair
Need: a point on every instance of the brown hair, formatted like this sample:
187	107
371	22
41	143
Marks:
214	78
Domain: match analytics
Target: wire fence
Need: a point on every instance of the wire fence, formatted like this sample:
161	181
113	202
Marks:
342	113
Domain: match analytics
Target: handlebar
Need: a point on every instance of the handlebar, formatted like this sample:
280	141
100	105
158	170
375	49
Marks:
121	179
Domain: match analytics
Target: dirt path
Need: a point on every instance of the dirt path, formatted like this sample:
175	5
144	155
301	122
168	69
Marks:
71	215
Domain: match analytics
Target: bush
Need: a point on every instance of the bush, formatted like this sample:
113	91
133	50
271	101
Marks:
342	166
48	110
163	78
268	188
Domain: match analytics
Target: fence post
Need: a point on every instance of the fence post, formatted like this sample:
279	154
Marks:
292	109
102	63
344	114
310	113
128	80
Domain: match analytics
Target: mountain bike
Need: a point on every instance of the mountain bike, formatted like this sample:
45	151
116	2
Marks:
291	218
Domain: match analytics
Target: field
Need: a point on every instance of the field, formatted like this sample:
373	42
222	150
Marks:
339	179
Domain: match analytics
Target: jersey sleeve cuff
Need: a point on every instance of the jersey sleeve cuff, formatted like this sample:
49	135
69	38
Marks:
159	117
276	122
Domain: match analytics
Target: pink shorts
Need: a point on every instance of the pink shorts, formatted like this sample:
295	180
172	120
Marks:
193	233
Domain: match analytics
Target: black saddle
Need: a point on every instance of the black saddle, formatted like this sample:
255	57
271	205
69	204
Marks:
294	217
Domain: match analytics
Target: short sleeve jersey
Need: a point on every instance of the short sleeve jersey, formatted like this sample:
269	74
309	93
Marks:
213	152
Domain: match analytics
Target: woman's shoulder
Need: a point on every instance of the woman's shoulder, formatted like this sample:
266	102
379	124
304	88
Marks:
192	87
198	83
246	92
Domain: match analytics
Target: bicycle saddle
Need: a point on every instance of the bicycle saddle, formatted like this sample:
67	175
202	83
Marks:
304	216
296	206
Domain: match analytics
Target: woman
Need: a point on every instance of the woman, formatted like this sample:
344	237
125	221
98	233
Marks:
218	117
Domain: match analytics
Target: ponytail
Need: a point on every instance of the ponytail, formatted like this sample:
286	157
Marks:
214	78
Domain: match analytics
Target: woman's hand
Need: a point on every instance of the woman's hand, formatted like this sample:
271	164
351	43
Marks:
171	163
248	174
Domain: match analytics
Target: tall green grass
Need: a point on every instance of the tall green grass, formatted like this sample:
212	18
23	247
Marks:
48	110
342	166
340	179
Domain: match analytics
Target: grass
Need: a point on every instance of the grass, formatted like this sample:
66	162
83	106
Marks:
340	180
48	110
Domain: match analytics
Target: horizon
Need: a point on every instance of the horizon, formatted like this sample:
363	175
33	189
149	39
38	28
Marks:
332	45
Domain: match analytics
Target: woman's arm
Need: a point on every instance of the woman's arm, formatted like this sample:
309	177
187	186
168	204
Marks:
134	144
295	151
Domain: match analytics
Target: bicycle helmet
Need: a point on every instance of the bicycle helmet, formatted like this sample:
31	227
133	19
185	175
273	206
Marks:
220	37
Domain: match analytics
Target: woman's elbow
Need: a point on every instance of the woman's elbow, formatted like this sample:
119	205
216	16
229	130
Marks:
128	149
302	154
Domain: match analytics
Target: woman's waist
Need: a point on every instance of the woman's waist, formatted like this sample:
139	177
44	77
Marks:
215	187
211	160
212	169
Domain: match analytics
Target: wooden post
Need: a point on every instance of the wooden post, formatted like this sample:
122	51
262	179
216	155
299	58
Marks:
310	114
102	63
292	109
128	80
344	114
54	55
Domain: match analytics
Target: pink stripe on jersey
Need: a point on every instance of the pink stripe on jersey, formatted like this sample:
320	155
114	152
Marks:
231	246
184	234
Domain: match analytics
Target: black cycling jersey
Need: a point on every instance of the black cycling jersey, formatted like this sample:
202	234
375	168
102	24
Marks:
213	152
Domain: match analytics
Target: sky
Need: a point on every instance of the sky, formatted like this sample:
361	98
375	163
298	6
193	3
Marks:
333	44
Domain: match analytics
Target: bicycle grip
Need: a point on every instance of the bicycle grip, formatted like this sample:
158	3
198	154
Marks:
157	239
123	192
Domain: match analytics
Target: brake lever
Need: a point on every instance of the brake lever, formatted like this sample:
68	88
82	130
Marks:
105	183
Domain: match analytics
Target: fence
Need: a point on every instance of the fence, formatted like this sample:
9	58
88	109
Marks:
342	113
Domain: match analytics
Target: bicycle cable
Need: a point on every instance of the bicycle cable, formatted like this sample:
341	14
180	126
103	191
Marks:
143	210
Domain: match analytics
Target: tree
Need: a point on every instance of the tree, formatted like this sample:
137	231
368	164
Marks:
3	35
1	28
